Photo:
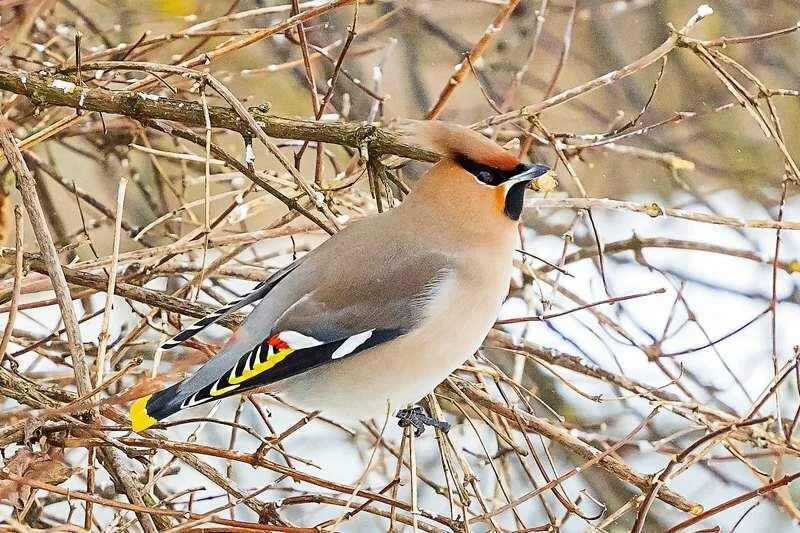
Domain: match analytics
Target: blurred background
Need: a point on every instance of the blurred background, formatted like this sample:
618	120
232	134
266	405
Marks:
709	130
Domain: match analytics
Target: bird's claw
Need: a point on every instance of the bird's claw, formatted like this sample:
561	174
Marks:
418	418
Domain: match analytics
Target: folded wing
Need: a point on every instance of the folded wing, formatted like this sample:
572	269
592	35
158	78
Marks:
258	293
320	318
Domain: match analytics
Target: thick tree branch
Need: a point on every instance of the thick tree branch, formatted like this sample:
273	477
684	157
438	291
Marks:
52	91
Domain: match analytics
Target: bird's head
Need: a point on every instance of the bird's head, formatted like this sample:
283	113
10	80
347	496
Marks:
475	174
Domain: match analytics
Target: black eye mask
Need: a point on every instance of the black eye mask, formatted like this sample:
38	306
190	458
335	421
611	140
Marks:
488	175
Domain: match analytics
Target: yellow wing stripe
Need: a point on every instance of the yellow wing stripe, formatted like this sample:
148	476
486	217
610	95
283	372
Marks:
220	392
260	367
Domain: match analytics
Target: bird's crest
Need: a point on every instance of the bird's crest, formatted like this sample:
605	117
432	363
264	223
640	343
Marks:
456	142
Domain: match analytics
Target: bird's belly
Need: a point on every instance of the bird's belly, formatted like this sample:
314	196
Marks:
391	376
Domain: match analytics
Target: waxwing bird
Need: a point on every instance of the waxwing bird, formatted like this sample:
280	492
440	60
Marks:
376	317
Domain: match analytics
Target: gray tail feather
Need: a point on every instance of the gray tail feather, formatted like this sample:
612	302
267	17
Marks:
165	402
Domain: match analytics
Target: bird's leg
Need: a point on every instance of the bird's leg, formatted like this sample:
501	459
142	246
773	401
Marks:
418	418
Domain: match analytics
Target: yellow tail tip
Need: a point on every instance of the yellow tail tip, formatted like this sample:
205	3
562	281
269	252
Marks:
140	420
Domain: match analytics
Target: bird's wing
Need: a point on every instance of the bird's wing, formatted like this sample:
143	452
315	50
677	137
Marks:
332	323
312	315
258	293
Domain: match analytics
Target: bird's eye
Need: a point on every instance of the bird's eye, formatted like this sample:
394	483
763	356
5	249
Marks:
486	177
485	174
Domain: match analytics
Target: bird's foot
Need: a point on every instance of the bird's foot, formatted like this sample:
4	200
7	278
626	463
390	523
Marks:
418	418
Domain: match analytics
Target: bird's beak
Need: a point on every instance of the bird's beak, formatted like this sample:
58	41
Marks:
529	174
515	187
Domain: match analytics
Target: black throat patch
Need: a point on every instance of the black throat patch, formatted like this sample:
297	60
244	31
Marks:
515	198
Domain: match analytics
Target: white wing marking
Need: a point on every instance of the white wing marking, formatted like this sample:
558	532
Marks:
351	344
298	341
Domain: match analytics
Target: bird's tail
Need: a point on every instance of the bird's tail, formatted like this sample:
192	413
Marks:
152	408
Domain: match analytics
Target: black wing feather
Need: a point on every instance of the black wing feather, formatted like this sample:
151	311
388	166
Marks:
258	293
297	362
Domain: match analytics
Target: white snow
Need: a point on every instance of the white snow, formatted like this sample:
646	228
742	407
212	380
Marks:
249	154
704	11
67	86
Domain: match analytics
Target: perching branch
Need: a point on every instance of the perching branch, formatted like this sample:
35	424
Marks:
54	91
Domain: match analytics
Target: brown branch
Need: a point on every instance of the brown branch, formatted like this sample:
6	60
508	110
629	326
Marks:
191	449
52	266
40	90
536	318
472	56
637	244
674	41
142	509
126	290
673	402
51	263
760	491
601	81
619	469
18	274
654	210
